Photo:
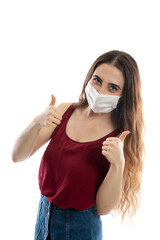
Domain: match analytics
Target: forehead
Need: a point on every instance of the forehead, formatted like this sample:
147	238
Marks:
109	73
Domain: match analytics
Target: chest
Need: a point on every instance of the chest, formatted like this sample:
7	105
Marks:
86	131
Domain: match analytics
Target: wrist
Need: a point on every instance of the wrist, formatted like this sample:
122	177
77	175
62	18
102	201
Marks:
118	166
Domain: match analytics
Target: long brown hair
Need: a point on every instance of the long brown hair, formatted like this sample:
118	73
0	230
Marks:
127	116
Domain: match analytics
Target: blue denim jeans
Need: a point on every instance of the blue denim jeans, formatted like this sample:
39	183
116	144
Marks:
55	223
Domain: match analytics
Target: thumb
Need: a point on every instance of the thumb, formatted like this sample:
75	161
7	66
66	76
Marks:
123	135
53	100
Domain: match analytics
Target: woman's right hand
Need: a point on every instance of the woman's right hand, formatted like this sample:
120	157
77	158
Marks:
50	117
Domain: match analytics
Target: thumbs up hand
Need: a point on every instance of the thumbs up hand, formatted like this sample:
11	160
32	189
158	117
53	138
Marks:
112	149
50	117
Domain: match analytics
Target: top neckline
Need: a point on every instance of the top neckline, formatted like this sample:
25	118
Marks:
93	141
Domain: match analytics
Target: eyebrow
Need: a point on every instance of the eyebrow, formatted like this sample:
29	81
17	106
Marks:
108	83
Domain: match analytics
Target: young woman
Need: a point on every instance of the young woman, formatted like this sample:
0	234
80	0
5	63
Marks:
94	160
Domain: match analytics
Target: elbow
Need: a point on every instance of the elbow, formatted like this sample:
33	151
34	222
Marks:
14	159
13	156
103	213
107	209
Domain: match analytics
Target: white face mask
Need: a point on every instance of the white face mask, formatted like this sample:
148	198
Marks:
100	103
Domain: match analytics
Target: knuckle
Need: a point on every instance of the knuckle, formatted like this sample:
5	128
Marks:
59	117
47	122
48	119
51	109
49	114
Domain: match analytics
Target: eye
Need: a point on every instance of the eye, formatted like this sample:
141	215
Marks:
96	80
113	88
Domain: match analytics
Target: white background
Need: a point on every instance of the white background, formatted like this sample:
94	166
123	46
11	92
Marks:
47	47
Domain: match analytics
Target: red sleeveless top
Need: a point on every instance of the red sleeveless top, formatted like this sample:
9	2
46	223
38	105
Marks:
71	172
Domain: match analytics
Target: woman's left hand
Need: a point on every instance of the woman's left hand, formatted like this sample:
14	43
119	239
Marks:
112	149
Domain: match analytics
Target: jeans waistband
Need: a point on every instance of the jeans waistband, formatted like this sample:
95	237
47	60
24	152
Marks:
54	207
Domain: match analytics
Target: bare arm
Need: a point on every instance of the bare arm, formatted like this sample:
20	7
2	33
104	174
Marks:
31	139
109	193
38	132
24	143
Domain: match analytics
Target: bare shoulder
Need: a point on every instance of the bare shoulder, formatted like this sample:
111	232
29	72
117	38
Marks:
62	107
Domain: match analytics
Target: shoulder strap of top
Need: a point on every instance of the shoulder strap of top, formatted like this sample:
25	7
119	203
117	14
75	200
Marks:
65	116
68	112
